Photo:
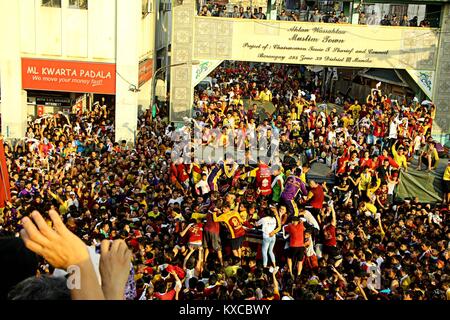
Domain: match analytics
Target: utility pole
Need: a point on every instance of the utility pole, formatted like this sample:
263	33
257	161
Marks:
324	80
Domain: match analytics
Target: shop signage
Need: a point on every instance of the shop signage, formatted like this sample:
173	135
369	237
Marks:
68	76
145	71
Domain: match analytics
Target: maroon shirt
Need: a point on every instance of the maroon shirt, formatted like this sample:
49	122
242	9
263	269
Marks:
318	197
329	235
210	225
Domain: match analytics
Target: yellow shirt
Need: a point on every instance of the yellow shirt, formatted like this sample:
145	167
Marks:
365	181
447	174
293	116
198	216
355	109
232	220
371	191
238	101
371	208
64	206
399	159
435	156
153	215
303	177
299	107
144	203
347	121
231	271
263	96
70	150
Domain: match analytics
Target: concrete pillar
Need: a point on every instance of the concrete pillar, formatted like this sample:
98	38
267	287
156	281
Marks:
128	22
14	99
181	91
441	94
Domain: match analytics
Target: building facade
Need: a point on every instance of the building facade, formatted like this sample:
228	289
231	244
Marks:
60	54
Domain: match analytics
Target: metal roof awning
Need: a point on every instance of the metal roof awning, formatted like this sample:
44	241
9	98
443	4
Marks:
390	76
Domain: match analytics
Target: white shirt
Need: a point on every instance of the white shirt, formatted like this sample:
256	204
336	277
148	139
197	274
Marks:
278	178
393	128
391	187
178	200
204	186
311	220
190	273
332	137
269	224
310	249
417	142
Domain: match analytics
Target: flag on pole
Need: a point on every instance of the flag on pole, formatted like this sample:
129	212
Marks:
5	190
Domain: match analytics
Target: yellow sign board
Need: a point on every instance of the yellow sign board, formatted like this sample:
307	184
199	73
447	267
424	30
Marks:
315	43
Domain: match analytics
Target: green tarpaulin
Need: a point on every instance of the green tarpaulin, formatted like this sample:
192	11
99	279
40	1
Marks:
427	186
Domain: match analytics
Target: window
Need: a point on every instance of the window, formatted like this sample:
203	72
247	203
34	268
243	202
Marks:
51	3
78	4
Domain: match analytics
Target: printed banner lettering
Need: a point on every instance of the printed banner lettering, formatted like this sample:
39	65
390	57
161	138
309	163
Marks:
315	43
68	76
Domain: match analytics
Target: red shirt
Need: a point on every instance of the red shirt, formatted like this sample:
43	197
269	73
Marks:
377	129
195	233
365	163
329	235
210	290
179	271
296	238
173	172
165	296
182	172
318	197
342	162
392	163
264	179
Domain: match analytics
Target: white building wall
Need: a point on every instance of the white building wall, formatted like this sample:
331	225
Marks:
147	37
146	51
102	30
127	60
68	33
14	99
32	31
75	33
27	16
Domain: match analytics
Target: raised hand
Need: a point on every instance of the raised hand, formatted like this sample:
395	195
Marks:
59	246
62	249
115	259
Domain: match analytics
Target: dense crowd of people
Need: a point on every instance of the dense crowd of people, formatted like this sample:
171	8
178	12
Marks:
243	221
313	15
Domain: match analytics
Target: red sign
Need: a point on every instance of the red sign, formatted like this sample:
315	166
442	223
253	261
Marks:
145	71
68	76
40	111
